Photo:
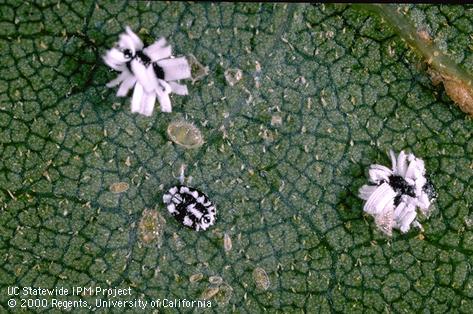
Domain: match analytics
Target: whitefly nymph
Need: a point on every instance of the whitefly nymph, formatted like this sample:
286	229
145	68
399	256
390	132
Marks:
394	194
151	71
190	207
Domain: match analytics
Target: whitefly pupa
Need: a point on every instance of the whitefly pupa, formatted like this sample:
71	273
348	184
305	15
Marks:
185	134
224	294
227	242
151	227
209	293
216	280
119	187
261	278
196	277
219	290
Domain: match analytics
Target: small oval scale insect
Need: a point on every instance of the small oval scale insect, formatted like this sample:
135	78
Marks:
190	207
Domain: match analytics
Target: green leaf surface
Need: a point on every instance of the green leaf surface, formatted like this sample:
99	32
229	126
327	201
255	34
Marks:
326	91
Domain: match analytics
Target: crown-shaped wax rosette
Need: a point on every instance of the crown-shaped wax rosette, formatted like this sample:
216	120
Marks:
151	70
397	192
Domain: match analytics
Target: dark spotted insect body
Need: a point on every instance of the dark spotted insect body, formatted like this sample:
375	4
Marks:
158	71
127	53
429	189
143	58
140	55
401	187
190	207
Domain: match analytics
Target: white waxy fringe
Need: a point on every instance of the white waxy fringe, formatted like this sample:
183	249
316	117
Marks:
380	197
141	75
